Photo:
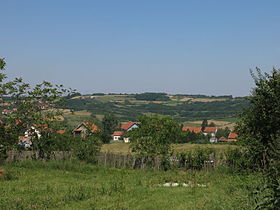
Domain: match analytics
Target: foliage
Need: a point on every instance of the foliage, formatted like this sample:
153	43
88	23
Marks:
204	124
190	136
222	132
154	136
196	159
212	124
237	160
88	148
71	95
31	109
152	97
109	124
259	127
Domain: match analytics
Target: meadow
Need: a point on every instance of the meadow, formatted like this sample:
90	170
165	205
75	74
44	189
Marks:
76	185
124	148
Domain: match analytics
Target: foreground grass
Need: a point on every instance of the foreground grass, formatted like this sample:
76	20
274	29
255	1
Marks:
72	185
123	148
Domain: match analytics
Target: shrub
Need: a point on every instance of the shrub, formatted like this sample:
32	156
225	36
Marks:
195	160
88	148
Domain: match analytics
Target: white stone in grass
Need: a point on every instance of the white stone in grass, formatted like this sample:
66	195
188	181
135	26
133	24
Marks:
170	184
174	184
185	185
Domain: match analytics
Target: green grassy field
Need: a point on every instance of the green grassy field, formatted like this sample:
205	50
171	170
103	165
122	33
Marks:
72	185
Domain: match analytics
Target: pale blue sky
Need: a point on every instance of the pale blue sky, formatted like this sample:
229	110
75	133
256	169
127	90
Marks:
178	46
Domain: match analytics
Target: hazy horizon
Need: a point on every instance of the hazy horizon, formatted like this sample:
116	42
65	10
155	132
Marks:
178	47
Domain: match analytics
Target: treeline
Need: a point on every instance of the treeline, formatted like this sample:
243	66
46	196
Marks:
152	97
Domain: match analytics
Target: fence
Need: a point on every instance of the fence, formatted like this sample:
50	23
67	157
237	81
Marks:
125	161
15	155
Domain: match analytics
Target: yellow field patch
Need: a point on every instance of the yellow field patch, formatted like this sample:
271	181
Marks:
124	148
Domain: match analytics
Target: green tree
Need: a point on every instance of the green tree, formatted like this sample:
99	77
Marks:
30	106
212	124
154	136
2	63
259	128
204	124
222	132
110	123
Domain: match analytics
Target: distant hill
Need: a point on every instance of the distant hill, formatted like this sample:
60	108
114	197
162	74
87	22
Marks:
181	107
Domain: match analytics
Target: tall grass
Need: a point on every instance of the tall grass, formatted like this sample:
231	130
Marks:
72	185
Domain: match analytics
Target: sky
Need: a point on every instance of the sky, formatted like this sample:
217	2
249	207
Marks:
133	46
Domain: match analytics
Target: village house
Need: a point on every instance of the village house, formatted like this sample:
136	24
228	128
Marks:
125	128
35	132
232	137
129	126
210	131
117	135
84	129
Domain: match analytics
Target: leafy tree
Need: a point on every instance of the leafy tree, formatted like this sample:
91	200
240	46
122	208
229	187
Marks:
30	106
222	132
212	124
2	63
88	148
204	124
190	136
109	124
259	128
154	136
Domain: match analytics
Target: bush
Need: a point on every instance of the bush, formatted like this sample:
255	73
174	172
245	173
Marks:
237	161
88	148
197	159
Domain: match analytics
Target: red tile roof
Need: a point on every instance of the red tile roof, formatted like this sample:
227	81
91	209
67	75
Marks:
127	125
192	129
118	133
231	140
222	139
91	126
60	131
232	135
210	130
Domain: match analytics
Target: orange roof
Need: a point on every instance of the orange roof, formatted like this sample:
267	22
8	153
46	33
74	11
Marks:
222	139
118	133
192	129
60	131
127	125
42	126
231	140
210	130
91	126
232	135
